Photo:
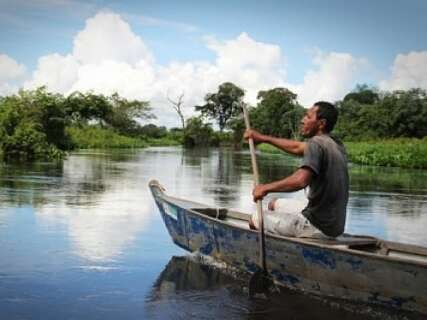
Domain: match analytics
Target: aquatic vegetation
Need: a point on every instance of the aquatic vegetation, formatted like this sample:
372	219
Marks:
403	152
95	137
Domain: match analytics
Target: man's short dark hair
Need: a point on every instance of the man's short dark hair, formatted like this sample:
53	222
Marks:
327	111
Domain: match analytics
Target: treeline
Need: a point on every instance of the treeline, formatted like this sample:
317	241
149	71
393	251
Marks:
38	124
365	113
370	114
378	127
277	113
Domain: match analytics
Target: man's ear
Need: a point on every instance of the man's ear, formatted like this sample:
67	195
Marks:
322	124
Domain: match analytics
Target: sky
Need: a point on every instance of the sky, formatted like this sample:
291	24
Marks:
152	50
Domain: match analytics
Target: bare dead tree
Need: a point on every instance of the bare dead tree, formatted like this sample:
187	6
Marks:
177	105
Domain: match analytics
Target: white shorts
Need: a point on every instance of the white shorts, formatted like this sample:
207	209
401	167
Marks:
287	220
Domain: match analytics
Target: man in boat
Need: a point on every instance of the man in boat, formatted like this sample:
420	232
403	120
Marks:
323	170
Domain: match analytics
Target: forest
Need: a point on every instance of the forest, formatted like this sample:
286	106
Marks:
378	127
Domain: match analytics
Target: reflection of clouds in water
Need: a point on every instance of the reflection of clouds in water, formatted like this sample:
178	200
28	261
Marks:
101	206
392	216
407	219
101	232
407	229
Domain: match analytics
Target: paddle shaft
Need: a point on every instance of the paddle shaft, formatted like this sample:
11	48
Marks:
258	203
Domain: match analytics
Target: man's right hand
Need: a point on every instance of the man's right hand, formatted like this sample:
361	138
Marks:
255	135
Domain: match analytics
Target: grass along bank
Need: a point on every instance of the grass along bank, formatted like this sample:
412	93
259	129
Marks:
99	138
404	152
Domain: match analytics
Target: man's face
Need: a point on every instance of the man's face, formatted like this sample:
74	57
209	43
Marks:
310	124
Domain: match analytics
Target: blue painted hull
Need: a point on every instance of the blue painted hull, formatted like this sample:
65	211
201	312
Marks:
349	271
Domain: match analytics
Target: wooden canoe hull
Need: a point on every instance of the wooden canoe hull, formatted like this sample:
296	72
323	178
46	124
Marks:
329	270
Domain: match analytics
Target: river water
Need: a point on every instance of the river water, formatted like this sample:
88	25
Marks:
83	239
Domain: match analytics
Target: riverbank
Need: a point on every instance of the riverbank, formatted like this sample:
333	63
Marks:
403	153
90	137
99	138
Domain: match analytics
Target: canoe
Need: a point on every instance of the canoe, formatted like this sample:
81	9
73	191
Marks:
352	267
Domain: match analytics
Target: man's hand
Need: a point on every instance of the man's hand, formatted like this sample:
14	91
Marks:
255	135
259	192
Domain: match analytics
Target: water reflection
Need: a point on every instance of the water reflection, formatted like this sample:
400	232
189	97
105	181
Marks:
89	225
94	196
187	288
380	179
100	205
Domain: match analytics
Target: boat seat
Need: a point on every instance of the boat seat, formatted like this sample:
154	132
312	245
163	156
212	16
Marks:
347	240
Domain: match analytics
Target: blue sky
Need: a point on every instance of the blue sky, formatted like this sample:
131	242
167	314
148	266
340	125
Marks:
313	43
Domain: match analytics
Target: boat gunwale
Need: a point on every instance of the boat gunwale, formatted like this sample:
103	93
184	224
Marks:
303	241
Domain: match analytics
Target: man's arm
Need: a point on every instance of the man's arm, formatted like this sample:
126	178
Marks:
290	146
296	181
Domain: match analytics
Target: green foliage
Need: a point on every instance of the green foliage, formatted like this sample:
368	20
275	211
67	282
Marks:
237	125
40	125
406	153
197	133
176	134
32	125
277	113
224	138
387	115
223	105
28	143
124	113
112	112
153	131
85	107
363	94
95	137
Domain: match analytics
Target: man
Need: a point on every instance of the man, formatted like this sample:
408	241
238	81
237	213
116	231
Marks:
323	169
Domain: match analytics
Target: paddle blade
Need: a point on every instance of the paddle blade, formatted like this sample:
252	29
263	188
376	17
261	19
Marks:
260	283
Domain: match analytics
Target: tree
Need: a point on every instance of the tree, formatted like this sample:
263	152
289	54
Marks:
197	133
123	114
389	115
84	107
153	131
177	105
363	94
32	125
277	113
223	105
406	113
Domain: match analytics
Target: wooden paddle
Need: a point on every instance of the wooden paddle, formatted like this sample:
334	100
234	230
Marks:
260	281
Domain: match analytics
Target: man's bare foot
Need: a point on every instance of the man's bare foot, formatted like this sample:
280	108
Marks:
271	204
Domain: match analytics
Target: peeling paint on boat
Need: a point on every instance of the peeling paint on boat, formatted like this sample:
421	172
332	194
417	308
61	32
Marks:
318	268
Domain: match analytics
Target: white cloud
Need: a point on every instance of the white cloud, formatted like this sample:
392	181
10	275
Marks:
10	72
56	72
103	224
109	76
332	78
6	89
10	69
408	71
108	57
107	36
250	64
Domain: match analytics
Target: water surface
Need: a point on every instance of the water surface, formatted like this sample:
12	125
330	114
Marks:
83	239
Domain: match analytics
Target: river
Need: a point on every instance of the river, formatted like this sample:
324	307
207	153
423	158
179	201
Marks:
83	239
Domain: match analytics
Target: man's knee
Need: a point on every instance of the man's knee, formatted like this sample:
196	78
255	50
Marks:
272	204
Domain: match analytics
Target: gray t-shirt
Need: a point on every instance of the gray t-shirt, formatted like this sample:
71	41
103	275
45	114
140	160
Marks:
326	157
